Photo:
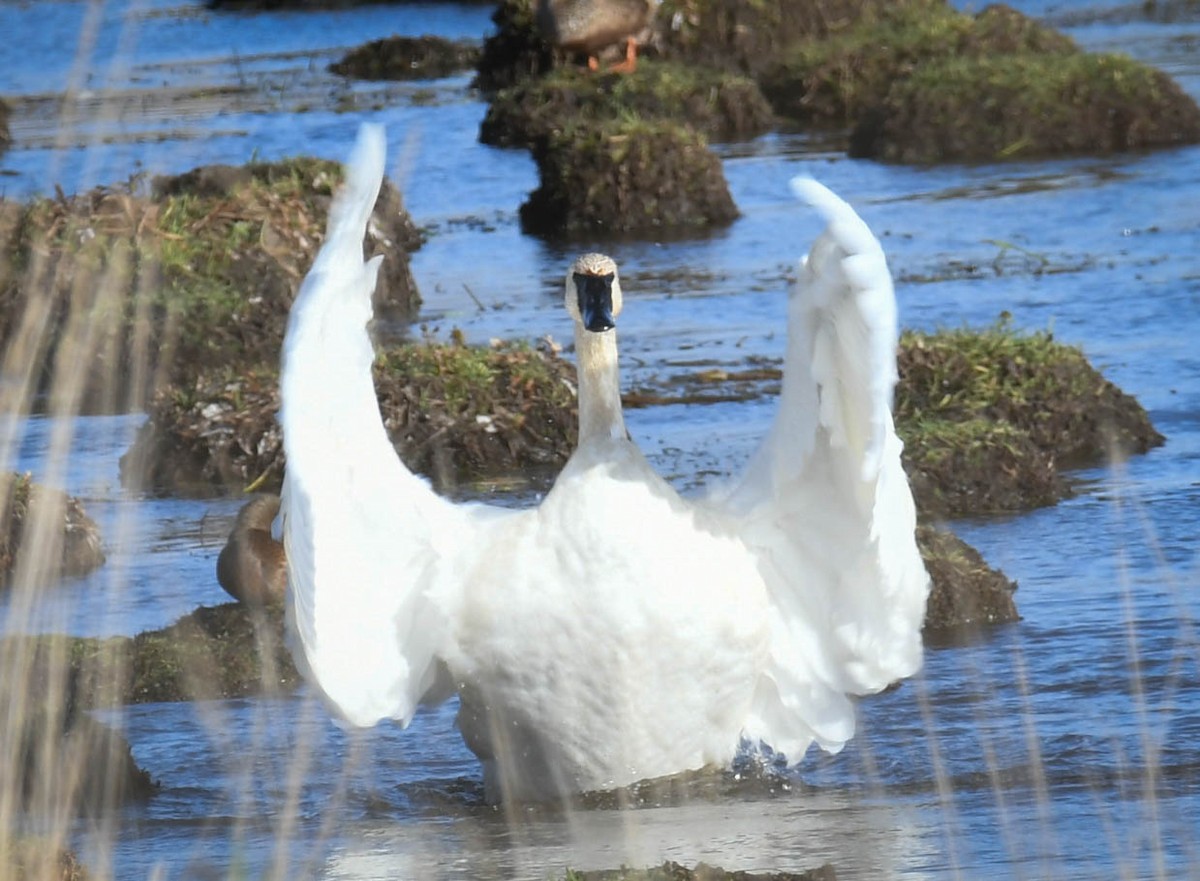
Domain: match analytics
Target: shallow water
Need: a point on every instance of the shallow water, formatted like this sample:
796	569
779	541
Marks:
1063	745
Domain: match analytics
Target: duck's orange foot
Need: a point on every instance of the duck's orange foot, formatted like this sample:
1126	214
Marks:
629	65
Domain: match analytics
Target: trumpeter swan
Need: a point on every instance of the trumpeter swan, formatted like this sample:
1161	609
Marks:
617	631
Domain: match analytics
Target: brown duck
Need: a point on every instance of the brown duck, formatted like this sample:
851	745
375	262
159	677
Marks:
252	567
590	26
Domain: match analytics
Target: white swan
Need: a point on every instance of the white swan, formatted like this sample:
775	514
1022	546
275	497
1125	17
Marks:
616	632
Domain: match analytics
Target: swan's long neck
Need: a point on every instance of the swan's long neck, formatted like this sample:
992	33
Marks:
599	385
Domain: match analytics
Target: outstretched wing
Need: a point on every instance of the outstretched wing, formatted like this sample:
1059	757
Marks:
363	536
824	503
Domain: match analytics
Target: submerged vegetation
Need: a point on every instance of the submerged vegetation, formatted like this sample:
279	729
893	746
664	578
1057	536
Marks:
407	58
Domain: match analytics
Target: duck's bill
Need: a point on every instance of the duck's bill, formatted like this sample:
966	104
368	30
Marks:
595	301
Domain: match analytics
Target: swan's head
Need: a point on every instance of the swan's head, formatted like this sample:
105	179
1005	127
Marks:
594	292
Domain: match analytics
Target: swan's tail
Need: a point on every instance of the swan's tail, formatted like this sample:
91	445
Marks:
356	524
825	504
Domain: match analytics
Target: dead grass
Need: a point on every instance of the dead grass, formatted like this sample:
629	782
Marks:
200	273
456	413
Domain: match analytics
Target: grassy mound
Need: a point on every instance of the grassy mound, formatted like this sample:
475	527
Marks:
924	83
407	58
724	106
70	546
966	591
215	652
627	177
1027	105
834	81
456	413
77	762
988	418
749	36
515	51
198	274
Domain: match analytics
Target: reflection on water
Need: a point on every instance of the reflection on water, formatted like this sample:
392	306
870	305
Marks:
1061	746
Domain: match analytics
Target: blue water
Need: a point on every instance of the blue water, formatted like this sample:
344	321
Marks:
1064	745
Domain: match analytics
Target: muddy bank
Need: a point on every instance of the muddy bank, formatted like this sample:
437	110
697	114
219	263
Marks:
151	285
456	414
408	58
35	516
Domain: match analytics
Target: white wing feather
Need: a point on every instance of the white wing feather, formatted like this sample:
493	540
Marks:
367	616
824	503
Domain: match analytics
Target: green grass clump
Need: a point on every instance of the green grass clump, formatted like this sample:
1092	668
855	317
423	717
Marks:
230	260
721	104
456	413
630	176
834	80
989	417
1028	104
74	546
200	273
926	83
472	380
407	58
